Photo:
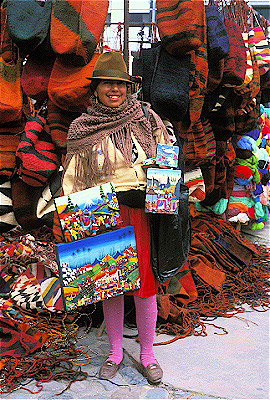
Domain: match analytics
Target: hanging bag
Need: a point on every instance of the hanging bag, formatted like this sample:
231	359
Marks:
169	88
10	74
218	44
181	25
35	77
76	27
260	48
235	64
10	89
28	22
36	156
165	82
68	86
171	234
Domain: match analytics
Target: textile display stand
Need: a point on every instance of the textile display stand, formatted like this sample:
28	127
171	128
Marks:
215	100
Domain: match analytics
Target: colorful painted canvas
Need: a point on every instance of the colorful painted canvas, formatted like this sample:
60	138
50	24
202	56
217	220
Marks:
88	212
167	155
162	191
99	267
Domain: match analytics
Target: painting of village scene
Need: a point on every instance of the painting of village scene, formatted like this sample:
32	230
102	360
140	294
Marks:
96	268
88	212
162	191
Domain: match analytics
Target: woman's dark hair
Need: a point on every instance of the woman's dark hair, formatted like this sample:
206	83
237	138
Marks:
94	84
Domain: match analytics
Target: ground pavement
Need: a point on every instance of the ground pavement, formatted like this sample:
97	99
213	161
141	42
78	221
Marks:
232	365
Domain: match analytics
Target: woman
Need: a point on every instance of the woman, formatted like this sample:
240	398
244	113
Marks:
110	143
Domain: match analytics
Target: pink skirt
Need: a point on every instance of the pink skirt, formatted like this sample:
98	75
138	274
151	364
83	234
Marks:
139	220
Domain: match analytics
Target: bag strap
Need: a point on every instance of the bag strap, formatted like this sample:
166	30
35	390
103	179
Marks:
145	111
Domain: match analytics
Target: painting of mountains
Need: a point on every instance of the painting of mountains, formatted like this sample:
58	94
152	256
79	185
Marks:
99	267
88	212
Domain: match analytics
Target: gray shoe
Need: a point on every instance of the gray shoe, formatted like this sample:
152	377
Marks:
153	373
108	370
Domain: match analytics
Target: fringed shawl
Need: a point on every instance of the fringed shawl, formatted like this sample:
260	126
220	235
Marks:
101	122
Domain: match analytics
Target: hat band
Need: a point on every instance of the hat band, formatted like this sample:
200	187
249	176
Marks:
110	73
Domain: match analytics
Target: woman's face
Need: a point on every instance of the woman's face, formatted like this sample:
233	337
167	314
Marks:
111	93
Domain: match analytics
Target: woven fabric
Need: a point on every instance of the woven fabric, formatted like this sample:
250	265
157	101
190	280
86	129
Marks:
169	89
28	23
59	121
37	289
235	63
181	25
198	81
76	27
218	43
249	70
68	86
6	45
219	180
7	217
10	88
259	46
18	339
215	74
36	156
165	82
225	112
200	145
35	77
34	207
248	120
8	147
195	145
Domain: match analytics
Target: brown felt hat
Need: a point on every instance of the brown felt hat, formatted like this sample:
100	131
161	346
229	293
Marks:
111	66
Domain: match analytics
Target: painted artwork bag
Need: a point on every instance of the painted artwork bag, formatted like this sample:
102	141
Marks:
99	267
88	212
170	233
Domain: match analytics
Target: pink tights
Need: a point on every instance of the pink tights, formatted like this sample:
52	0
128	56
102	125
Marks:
146	317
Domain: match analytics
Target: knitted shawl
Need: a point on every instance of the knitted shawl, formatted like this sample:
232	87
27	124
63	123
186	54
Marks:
101	122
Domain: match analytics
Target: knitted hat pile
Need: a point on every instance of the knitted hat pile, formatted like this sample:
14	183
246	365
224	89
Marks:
243	172
251	163
254	134
243	181
219	208
247	143
266	127
258	190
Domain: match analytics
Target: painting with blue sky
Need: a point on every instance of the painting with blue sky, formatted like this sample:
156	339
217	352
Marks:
88	212
99	267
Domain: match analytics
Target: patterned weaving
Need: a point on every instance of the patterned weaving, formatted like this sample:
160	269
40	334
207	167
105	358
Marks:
181	25
36	155
76	27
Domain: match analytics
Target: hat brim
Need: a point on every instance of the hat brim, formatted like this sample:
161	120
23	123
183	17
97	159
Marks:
108	78
112	75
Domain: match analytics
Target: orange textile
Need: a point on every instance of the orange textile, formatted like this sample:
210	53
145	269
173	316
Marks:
181	25
68	87
76	28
